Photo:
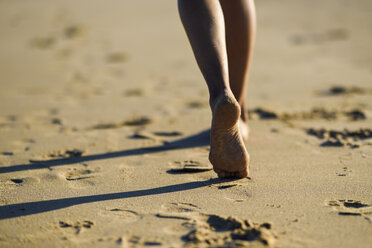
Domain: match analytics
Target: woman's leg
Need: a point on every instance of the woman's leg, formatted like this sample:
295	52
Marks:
204	24
205	28
240	25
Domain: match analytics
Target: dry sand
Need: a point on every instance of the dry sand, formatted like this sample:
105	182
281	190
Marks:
109	94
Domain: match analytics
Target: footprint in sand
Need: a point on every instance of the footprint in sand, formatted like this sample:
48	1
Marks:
23	144
137	92
352	208
75	174
355	115
7	122
56	121
125	215
179	207
52	177
182	211
138	241
237	200
73	31
161	137
262	114
133	121
227	184
117	57
23	181
43	43
315	113
196	104
60	154
76	227
18	182
8	154
335	138
50	41
343	90
330	35
142	134
188	166
168	134
345	172
137	121
217	231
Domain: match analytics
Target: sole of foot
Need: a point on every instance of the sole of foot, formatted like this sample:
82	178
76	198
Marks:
228	154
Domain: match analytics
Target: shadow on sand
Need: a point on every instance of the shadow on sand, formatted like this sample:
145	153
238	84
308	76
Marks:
30	208
196	140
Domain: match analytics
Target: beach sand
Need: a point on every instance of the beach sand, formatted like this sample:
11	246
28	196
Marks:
104	129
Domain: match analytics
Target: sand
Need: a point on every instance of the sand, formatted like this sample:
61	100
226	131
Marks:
104	129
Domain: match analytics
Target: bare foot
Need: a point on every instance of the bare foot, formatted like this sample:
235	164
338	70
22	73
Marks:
228	154
244	129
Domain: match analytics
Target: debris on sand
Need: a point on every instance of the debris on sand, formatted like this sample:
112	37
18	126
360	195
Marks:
342	90
230	232
264	114
317	113
341	138
356	115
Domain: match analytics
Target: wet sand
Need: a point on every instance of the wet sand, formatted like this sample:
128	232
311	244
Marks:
104	129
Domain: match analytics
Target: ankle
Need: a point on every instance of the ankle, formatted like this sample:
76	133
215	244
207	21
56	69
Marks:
244	113
216	95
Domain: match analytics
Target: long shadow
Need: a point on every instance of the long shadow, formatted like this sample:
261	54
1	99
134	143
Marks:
29	208
196	140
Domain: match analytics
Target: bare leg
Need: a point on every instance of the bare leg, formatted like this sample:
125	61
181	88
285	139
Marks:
204	24
240	23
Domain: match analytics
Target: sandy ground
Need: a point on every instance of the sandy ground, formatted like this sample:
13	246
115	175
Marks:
101	100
